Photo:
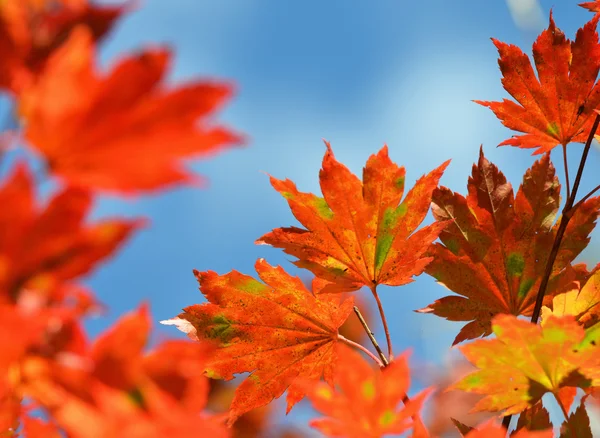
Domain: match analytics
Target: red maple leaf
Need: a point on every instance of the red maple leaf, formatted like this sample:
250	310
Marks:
559	107
591	6
123	132
494	251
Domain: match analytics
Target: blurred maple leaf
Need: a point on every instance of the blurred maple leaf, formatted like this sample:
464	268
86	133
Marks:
359	233
494	251
114	389
593	6
446	406
123	132
525	361
42	251
257	423
30	30
366	403
278	331
559	107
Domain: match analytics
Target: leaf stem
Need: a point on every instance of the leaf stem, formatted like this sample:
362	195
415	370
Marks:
567	213
384	321
566	216
565	161
384	360
361	348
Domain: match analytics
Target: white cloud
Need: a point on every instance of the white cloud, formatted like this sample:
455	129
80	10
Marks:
527	14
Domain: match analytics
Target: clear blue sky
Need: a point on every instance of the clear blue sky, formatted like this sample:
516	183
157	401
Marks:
359	74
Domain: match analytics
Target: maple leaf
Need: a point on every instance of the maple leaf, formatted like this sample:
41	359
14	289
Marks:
559	107
114	389
359	233
123	132
494	252
31	30
366	404
593	6
525	361
583	304
278	331
41	250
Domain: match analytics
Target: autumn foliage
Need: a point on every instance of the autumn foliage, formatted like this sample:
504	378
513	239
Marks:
530	315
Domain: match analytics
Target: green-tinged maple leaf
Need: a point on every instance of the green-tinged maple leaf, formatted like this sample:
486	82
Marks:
578	424
494	251
559	107
278	331
593	6
525	361
492	430
583	304
360	233
368	401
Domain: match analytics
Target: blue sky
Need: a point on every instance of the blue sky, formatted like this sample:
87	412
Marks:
359	74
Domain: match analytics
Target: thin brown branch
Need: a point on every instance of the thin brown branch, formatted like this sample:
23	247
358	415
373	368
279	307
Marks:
586	197
361	348
371	336
568	211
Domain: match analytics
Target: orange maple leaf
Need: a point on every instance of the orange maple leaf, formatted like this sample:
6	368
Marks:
114	389
123	132
31	30
366	404
559	107
278	331
495	249
42	250
591	6
359	233
525	361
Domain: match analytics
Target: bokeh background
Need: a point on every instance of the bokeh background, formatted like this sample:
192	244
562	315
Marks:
359	74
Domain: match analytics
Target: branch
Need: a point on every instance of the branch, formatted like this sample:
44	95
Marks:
361	348
564	221
384	360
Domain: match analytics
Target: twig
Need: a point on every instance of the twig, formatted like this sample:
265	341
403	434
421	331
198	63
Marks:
586	197
565	161
564	221
384	359
361	348
388	338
